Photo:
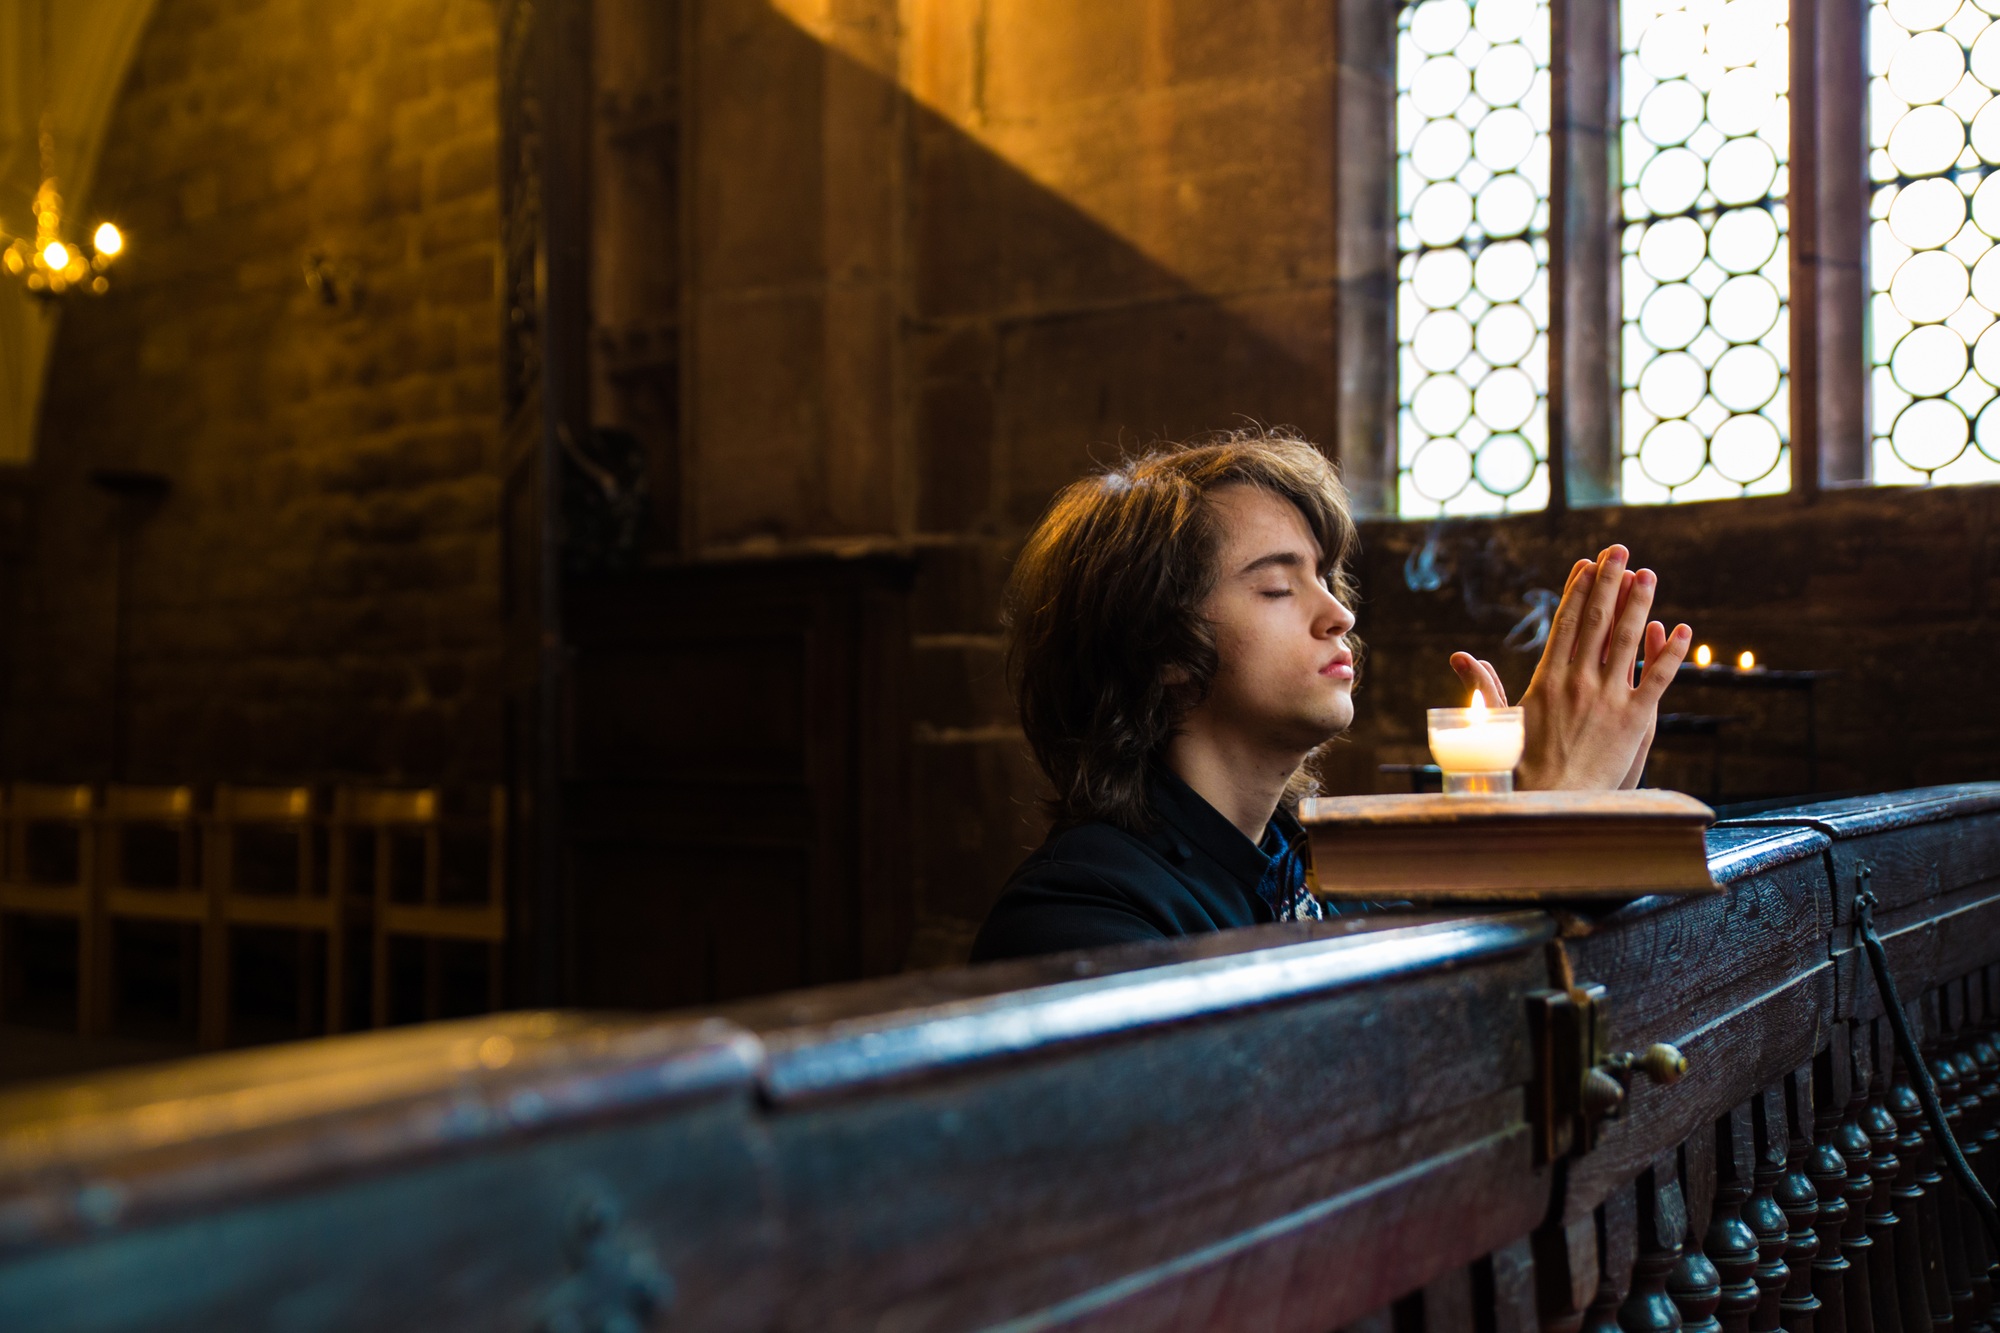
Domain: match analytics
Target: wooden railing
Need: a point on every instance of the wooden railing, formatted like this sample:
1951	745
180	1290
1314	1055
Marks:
1367	1124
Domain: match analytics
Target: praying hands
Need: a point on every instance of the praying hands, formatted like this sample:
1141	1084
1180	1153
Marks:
1589	723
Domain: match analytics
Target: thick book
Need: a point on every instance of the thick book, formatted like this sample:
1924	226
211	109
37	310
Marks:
1526	846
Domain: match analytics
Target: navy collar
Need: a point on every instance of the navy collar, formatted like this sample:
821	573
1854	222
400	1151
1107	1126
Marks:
1188	823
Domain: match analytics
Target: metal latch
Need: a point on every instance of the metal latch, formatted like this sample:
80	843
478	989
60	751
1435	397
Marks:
1579	1084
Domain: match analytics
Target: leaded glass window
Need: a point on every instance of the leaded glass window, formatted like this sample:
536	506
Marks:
1472	134
1934	139
1706	328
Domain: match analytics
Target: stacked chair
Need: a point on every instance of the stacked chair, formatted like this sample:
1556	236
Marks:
351	871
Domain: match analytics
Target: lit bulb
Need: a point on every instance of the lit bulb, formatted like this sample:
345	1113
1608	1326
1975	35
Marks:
1477	707
56	255
1703	655
1747	662
107	240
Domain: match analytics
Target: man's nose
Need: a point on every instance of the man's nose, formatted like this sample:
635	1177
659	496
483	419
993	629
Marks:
1334	617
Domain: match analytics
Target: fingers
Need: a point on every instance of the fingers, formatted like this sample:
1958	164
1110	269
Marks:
1479	675
1656	643
1661	666
1628	631
1569	612
1600	611
1628	581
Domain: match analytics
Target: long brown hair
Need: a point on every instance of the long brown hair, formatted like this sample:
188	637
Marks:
1108	647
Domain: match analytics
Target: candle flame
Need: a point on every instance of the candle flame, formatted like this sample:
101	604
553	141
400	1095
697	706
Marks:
1747	661
1703	655
1477	707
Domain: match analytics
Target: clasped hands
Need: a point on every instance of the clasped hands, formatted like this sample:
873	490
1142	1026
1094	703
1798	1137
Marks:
1589	726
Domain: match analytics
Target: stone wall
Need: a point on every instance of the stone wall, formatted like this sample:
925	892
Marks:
316	594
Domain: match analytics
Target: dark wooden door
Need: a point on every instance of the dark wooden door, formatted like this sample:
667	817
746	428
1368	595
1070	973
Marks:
734	786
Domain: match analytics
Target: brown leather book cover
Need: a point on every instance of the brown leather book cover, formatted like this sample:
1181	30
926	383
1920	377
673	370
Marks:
1539	846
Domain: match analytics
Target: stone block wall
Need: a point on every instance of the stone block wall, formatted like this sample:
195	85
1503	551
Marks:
316	595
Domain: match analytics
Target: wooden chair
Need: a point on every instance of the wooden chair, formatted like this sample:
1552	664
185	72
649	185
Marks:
301	900
50	871
169	890
387	815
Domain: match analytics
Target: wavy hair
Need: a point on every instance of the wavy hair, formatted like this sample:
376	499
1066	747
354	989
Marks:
1108	649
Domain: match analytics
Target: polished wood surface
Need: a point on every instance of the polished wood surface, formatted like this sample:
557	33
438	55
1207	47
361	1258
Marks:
1308	1126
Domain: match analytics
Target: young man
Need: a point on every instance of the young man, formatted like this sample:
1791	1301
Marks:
1180	647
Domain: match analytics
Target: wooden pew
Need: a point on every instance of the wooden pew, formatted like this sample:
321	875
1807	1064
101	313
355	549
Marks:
1296	1127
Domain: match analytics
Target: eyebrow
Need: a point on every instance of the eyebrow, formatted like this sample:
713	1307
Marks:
1289	559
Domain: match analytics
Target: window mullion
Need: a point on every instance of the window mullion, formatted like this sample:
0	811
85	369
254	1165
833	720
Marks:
1585	317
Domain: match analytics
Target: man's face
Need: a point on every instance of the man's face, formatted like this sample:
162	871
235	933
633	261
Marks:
1286	675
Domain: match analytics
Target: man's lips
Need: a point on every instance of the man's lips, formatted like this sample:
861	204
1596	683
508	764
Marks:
1340	668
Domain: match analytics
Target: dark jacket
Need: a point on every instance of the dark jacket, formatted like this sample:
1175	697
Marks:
1092	884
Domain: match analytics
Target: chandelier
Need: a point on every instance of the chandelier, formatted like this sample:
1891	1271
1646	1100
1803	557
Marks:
48	264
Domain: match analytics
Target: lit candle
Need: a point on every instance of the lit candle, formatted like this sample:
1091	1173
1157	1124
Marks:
1747	662
1703	655
1477	747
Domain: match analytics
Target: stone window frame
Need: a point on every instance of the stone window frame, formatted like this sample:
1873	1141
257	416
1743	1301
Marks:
1828	206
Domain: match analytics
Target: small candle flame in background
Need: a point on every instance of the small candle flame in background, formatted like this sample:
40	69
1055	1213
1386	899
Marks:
1747	662
1477	707
1703	655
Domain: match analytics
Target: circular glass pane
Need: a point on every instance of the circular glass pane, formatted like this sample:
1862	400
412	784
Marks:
1986	199
1503	20
1441	340
1670	112
1743	33
1742	170
1506	205
1506	332
1672	453
1929	433
1669	251
1672	385
1744	378
1440	149
1916	15
1928	286
1441	213
1441	404
1927	213
1986	280
1671	182
1504	138
1743	240
1672	316
1439	25
1744	308
1671	45
1504	75
1440	85
1988	431
1440	470
1442	278
1929	66
1742	101
1986	58
1986	355
1745	448
1986	131
1927	140
1506	270
1928	361
1505	464
1505	400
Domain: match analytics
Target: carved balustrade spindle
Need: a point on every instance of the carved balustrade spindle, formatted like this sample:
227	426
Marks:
1730	1244
1857	1247
1885	1224
1827	1169
1951	1207
1766	1216
1662	1223
1799	1307
1918	1201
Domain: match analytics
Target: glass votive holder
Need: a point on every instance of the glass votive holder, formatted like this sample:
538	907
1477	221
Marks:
1478	748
